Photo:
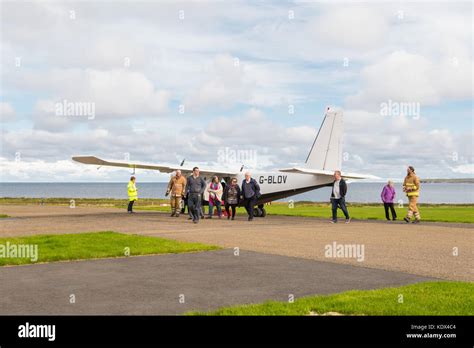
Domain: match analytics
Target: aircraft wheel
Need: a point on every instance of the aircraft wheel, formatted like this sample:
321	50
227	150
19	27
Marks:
257	212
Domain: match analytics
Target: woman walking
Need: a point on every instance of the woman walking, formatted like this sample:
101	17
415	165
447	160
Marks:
388	196
214	190
231	197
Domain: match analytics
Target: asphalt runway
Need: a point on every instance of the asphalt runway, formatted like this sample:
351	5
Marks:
425	249
176	283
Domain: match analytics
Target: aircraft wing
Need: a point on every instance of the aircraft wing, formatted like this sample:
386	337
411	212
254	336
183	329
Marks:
162	168
327	172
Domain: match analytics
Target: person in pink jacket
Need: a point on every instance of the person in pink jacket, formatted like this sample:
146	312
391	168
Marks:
388	196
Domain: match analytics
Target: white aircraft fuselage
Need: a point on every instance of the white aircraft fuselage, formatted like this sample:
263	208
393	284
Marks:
276	185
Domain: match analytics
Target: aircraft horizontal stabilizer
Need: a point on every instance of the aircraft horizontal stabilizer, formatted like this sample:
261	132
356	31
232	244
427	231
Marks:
327	172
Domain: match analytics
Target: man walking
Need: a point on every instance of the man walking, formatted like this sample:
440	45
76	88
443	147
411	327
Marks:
195	187
176	187
338	194
411	186
132	194
250	194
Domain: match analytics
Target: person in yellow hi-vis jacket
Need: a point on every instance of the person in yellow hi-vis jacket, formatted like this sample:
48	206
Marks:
132	194
411	186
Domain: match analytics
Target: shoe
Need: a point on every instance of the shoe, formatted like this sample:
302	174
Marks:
177	215
189	218
416	221
228	217
333	221
348	220
394	219
208	217
250	218
406	220
173	214
233	218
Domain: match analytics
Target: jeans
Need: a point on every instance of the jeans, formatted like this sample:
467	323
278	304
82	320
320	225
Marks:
341	202
194	206
201	212
233	206
218	206
249	204
130	206
392	209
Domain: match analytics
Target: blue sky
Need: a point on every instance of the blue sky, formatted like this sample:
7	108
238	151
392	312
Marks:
237	68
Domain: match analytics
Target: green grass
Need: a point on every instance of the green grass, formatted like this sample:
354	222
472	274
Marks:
429	212
96	245
3	216
429	298
141	204
442	213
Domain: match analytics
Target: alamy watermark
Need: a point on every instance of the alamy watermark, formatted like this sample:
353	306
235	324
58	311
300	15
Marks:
228	156
68	108
23	251
351	251
394	108
28	330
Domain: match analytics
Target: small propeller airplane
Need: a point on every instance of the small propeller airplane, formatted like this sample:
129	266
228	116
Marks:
325	157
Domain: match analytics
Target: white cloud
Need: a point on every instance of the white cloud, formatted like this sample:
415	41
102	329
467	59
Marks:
424	57
378	144
464	169
406	77
394	142
114	93
354	28
7	112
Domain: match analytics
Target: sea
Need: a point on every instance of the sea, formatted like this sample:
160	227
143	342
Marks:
360	192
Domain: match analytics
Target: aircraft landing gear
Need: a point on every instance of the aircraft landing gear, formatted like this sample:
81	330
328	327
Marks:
259	211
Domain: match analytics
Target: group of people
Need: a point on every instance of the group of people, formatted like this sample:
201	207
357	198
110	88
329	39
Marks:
194	189
411	187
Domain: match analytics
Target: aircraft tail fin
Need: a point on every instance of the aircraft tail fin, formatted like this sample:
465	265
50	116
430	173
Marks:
326	152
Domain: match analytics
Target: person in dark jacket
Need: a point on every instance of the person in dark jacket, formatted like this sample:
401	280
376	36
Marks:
250	194
338	194
195	187
231	197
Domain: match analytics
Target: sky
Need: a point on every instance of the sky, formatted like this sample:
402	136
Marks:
225	83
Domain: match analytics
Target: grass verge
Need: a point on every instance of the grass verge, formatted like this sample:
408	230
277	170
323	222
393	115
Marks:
361	211
428	298
91	245
439	213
